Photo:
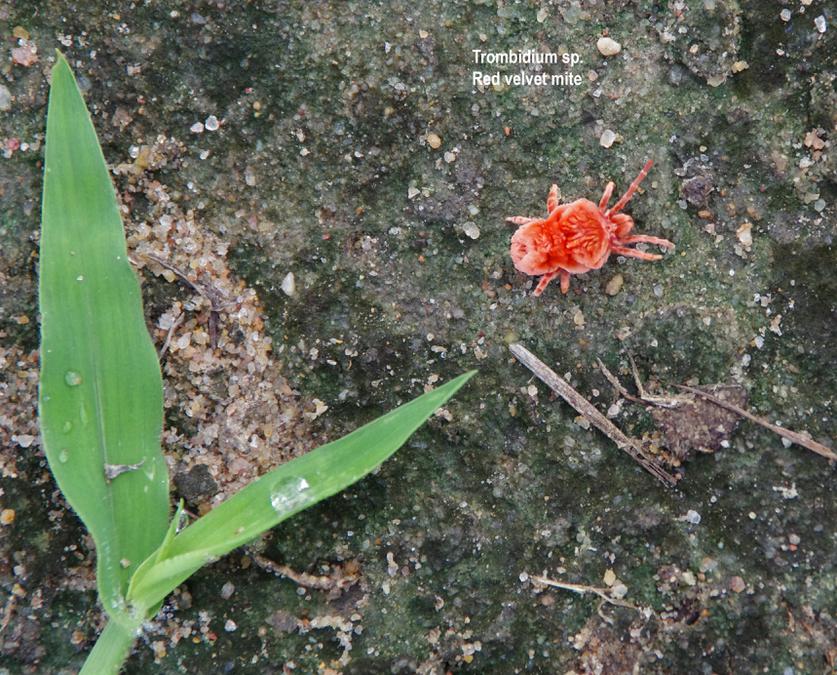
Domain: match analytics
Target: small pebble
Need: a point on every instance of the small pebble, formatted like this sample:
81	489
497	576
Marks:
211	123
450	157
785	15
5	98
471	230
7	516
230	626
413	192
614	285
607	138
692	517
745	235
227	590
26	55
736	584
619	591
289	284
196	128
608	46
433	140
819	22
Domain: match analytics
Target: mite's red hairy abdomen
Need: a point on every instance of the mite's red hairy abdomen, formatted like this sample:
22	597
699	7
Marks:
585	234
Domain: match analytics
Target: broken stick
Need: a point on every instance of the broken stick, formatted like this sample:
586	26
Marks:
561	387
792	436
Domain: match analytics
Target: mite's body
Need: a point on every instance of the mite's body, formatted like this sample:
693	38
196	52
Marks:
577	237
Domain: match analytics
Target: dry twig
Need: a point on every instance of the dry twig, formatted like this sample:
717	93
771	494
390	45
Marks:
561	387
605	594
320	583
792	436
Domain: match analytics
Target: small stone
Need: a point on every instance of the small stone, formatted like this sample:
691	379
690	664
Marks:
433	140
423	34
745	235
607	138
471	230
5	98
20	32
819	22
716	80
289	284
614	285
212	123
609	577
785	15
7	516
412	192
450	157
736	584
578	318
230	626
227	590
619	591
692	517
738	66
688	578
196	485
26	55
608	46
542	14
196	128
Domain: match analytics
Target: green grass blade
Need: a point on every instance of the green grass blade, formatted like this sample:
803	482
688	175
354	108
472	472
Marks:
100	403
283	492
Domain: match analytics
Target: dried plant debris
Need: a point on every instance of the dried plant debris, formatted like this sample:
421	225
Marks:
697	424
704	417
589	412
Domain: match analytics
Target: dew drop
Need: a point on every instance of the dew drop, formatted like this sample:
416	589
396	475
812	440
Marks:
82	416
67	427
63	456
287	494
72	378
80	277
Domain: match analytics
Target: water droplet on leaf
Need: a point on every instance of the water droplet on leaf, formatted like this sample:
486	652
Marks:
72	378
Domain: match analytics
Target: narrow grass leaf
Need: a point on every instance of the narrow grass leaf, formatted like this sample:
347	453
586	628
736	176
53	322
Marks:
100	402
283	492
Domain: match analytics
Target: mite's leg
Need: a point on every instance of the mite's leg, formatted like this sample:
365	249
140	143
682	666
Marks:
544	282
520	220
565	281
606	196
637	238
552	199
617	207
633	253
624	224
